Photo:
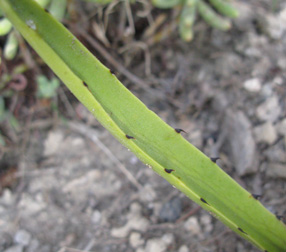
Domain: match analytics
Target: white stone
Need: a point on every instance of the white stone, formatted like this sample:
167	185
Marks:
29	205
269	110
96	217
282	63
7	197
22	237
265	133
17	248
147	194
183	248
238	129
168	239
53	142
135	240
278	81
276	24
135	222
192	225
267	90
155	245
34	246
276	170
206	221
86	179
281	127
252	85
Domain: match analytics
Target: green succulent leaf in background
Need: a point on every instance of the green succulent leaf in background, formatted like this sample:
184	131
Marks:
47	88
5	26
208	12
166	4
154	142
99	1
56	7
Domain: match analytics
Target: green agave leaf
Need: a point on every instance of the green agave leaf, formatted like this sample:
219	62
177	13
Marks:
142	131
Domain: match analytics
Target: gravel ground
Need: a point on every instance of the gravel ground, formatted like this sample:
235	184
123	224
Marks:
78	189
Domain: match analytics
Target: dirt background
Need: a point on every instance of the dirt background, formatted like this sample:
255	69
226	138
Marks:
67	185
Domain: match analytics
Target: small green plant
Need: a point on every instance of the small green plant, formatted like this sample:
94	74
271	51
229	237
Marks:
6	91
155	143
190	9
9	118
47	88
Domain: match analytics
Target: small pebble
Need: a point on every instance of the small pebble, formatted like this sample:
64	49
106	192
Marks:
265	133
96	217
192	225
5	240
206	221
135	222
276	153
17	248
22	237
7	197
276	170
281	127
34	246
183	248
155	245
278	81
171	210
269	110
282	63
242	144
168	238
276	26
135	240
252	85
53	142
148	194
